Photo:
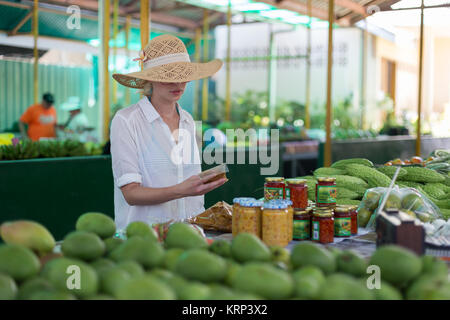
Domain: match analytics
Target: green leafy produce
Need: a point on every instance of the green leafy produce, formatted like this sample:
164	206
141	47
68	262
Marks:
327	171
390	171
347	194
341	164
344	201
420	174
373	177
435	191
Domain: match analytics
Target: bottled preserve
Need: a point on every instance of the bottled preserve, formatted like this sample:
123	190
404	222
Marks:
301	225
297	192
354	216
326	192
290	218
342	221
275	224
235	216
322	225
250	217
274	188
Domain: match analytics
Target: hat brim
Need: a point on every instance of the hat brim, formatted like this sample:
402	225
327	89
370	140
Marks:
172	72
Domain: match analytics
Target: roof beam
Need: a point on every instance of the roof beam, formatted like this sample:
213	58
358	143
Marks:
21	23
349	4
171	20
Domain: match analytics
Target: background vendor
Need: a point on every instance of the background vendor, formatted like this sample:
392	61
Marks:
40	118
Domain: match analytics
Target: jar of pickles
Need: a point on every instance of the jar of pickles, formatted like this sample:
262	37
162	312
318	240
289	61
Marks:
274	188
342	221
326	192
275	224
250	217
322	225
297	192
290	217
235	216
301	225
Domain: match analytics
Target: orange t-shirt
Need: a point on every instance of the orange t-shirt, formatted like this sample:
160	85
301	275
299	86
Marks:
41	122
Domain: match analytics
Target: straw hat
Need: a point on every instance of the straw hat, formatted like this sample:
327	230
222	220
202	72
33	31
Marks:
165	59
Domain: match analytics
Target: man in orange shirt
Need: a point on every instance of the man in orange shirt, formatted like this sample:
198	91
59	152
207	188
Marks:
41	119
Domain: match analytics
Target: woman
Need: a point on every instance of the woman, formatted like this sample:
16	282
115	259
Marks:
148	140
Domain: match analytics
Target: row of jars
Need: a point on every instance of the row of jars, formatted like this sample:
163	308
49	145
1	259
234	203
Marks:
272	221
296	190
276	222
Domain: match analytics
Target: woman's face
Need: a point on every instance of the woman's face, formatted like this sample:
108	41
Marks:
169	91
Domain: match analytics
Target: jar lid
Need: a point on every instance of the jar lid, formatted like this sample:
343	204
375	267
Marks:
326	179
300	212
252	203
286	201
323	210
323	214
342	209
274	205
238	200
295	181
274	179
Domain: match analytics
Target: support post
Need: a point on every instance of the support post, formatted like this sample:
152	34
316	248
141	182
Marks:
35	51
228	66
363	76
271	77
308	68
127	53
144	25
115	31
197	57
419	98
329	114
104	74
205	58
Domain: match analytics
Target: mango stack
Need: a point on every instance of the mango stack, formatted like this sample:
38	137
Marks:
94	265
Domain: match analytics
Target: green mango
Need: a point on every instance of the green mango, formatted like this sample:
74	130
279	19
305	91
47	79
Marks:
341	286
112	280
102	264
262	279
311	254
111	244
307	282
139	228
194	291
386	292
221	247
56	272
429	287
145	288
148	253
33	285
52	295
8	287
397	265
434	265
133	268
184	236
351	263
201	265
246	247
83	245
98	223
18	262
161	274
170	258
100	297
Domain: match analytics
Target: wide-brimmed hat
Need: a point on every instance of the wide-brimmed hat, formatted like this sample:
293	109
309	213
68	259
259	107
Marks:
165	59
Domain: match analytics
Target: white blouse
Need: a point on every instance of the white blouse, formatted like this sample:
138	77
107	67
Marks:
143	150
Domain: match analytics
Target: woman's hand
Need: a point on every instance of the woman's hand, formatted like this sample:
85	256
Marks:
196	186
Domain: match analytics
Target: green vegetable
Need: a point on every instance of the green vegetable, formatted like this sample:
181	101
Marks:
419	174
435	191
347	201
390	171
373	177
445	213
341	164
347	194
326	172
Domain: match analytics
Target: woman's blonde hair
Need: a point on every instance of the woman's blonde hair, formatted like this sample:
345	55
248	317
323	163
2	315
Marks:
147	89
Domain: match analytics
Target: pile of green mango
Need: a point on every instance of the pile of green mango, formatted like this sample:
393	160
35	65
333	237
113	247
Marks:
95	265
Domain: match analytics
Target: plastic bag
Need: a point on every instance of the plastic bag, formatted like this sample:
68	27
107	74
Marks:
216	218
409	200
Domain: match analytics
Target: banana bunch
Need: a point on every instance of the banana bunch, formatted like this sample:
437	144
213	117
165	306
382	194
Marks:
22	150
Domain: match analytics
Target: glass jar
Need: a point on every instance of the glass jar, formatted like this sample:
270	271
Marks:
297	192
290	217
274	188
250	217
235	216
275	224
342	221
354	216
326	192
322	225
301	225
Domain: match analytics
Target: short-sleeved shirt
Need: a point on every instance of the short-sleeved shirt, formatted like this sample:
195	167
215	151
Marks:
41	121
144	151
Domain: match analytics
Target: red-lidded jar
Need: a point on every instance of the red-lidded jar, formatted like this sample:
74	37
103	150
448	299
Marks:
297	192
274	188
326	192
322	225
354	216
342	221
302	225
